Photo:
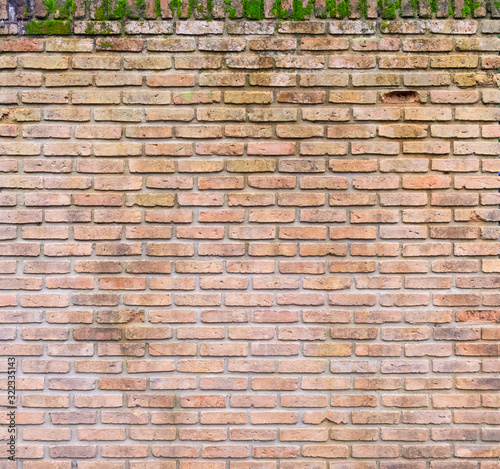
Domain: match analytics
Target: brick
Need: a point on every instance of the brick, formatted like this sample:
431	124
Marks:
96	62
427	44
410	246
290	27
404	62
376	79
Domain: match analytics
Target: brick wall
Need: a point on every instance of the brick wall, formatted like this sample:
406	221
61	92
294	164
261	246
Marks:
243	245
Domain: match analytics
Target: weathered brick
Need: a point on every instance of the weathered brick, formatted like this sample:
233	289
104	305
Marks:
154	221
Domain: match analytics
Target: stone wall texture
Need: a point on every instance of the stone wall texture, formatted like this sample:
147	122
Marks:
252	245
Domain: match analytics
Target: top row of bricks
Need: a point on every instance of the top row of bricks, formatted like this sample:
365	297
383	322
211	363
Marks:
266	28
105	10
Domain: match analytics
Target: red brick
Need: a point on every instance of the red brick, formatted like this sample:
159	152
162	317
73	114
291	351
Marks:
422	213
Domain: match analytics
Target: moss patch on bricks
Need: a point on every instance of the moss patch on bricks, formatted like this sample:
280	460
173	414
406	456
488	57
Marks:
50	6
48	27
195	8
451	7
362	8
119	12
299	10
67	10
98	28
229	9
106	45
158	8
470	7
389	9
278	11
341	9
253	9
176	7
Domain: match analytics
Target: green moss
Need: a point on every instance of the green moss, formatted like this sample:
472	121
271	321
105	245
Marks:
105	28
253	9
50	6
67	11
191	7
210	10
331	8
121	11
451	7
278	11
140	6
98	27
229	9
49	27
415	6
200	9
470	7
343	9
362	8
338	10
106	45
176	7
158	8
102	12
299	12
388	9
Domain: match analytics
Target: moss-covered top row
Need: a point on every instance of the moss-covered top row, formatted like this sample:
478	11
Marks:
55	16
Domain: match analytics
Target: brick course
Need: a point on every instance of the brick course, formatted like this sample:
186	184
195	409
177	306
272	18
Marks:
227	245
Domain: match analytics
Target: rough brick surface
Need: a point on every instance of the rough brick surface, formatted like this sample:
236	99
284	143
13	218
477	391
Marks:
227	245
